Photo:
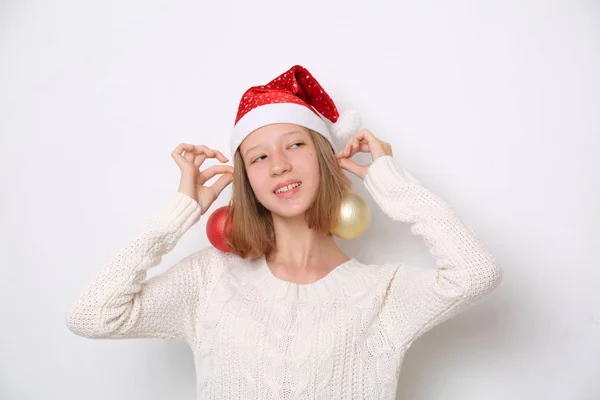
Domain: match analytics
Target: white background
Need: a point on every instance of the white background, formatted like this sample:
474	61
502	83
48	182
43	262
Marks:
494	105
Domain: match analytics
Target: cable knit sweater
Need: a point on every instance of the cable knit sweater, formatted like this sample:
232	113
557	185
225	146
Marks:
256	336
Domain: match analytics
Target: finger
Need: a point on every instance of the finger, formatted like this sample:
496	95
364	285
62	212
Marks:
354	146
189	155
210	172
356	169
221	184
177	153
366	135
348	147
363	148
202	149
211	153
199	159
376	145
203	152
221	157
182	147
344	151
179	160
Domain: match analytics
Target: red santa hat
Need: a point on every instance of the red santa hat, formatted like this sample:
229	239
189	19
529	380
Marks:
294	97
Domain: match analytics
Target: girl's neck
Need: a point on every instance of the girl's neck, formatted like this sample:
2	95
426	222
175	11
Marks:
304	257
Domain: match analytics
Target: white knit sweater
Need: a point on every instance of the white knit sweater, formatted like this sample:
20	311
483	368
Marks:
255	336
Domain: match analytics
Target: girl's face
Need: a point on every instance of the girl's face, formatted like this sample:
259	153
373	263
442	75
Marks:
282	154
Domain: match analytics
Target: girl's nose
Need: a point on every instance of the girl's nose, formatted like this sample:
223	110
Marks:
280	164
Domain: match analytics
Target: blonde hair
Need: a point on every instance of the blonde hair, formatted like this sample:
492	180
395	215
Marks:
252	230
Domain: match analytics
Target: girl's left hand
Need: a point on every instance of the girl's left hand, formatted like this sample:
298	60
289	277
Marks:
363	141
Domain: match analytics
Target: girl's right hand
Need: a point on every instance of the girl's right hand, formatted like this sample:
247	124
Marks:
189	158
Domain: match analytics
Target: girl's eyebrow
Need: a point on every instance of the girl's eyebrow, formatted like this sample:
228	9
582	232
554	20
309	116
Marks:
258	145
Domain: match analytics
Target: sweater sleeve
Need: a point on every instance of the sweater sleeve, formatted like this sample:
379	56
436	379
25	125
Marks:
119	303
420	298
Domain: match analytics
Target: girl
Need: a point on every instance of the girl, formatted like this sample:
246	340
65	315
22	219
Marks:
286	314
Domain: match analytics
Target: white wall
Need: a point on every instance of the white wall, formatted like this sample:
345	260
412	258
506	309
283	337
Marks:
493	104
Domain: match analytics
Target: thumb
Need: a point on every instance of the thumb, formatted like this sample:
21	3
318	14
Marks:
356	169
222	183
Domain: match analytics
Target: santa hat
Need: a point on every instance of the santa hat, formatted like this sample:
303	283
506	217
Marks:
294	97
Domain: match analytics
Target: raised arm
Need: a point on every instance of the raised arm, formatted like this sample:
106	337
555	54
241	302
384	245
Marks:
120	303
420	298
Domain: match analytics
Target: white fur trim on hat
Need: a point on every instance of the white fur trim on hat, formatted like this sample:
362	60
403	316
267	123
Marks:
275	113
348	124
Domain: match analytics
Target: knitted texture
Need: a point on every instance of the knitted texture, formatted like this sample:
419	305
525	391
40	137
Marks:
256	336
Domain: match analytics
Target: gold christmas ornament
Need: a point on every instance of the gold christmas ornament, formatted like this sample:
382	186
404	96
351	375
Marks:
355	217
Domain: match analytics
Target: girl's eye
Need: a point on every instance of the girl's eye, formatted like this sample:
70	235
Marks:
295	144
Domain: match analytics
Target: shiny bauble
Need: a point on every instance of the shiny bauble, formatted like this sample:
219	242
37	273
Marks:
215	229
355	217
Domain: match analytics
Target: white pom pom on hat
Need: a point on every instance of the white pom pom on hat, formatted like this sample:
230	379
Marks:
348	123
293	97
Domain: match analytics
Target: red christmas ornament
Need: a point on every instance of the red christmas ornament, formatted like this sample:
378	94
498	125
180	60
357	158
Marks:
215	229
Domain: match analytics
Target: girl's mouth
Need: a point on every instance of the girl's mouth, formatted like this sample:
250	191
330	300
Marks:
289	191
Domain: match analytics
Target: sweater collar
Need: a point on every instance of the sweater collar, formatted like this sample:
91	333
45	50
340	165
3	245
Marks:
261	277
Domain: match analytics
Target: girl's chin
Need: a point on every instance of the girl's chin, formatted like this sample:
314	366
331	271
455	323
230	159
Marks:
289	210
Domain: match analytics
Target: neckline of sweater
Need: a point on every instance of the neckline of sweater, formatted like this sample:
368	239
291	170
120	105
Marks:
275	288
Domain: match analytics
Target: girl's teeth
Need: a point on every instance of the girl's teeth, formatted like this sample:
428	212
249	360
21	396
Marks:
286	188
